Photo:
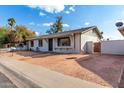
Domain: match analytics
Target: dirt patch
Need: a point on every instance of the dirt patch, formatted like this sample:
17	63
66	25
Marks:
71	58
104	70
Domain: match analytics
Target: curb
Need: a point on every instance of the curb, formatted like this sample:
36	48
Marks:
19	79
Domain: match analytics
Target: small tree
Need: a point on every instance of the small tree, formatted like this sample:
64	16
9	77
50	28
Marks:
52	29
56	27
12	36
3	36
22	33
58	24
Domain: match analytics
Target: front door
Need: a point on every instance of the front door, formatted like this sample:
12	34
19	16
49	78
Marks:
50	44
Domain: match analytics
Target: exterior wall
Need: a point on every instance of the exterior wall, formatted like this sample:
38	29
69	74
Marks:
36	44
89	47
45	45
78	43
34	48
22	48
87	37
64	49
112	47
74	48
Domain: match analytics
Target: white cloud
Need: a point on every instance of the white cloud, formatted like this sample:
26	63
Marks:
65	25
67	12
33	6
37	33
122	12
39	25
31	23
119	20
72	8
49	8
47	24
42	14
86	23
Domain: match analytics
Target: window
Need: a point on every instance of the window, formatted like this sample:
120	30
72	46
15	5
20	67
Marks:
65	41
32	43
40	43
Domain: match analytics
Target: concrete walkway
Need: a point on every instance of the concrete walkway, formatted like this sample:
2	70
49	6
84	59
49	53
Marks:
37	76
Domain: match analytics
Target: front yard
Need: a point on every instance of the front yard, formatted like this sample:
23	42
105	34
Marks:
104	70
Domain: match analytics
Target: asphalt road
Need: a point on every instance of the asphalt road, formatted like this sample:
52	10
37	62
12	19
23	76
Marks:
5	82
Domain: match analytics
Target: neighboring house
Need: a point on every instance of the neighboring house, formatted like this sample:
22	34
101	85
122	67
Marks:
74	41
121	29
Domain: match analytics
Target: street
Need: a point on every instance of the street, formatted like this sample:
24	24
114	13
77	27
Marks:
5	82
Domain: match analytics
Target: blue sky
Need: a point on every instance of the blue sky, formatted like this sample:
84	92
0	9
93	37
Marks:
39	18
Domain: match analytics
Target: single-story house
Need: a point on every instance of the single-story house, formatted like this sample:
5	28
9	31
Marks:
73	41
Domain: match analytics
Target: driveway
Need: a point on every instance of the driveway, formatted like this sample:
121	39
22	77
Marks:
101	69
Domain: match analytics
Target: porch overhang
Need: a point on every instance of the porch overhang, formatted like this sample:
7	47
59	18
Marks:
53	36
56	36
67	33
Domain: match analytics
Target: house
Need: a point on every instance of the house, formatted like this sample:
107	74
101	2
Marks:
121	29
74	41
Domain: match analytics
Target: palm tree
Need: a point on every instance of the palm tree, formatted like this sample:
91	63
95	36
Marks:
11	22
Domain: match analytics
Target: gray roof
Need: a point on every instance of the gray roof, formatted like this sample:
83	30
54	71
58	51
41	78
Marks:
68	33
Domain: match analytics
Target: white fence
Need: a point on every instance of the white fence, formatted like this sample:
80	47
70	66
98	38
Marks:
112	47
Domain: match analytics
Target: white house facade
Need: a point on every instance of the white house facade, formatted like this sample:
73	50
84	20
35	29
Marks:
74	41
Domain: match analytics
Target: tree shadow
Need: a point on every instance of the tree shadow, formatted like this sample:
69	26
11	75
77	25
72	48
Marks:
37	54
108	70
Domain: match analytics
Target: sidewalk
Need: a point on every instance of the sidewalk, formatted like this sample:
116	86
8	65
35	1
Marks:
42	77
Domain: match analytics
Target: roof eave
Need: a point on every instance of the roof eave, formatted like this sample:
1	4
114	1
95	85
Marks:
67	33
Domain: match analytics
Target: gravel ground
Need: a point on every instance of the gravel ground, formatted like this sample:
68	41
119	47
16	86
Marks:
5	82
104	70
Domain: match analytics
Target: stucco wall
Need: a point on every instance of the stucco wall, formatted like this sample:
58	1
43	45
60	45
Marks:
112	47
74	48
86	37
78	43
89	47
64	49
45	45
36	44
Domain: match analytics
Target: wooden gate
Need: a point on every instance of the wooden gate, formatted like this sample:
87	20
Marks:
97	47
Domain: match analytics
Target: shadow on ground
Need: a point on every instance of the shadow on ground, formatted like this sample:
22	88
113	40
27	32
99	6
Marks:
35	54
108	67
